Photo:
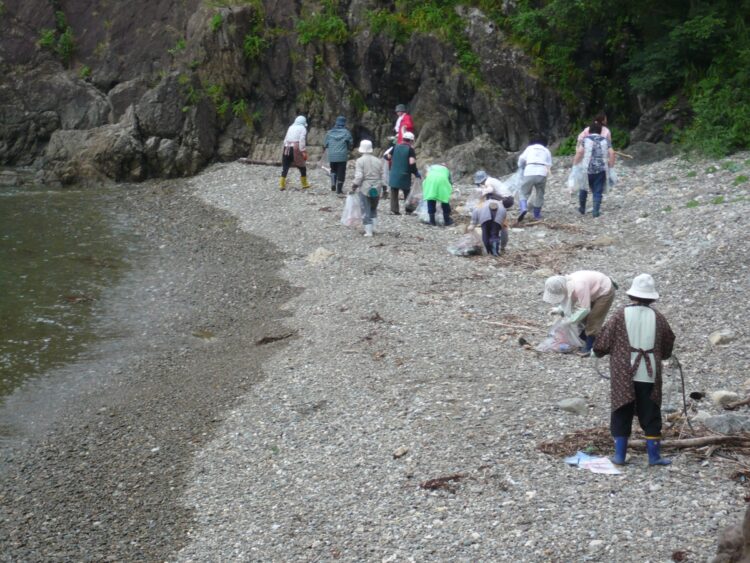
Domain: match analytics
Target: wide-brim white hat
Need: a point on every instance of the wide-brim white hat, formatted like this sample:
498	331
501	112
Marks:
643	286
408	136
365	146
555	290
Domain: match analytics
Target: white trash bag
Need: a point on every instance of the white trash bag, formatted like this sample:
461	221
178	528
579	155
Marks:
562	337
352	214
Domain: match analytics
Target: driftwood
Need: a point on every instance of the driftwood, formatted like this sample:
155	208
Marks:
507	325
696	442
259	162
274	338
737	404
618	153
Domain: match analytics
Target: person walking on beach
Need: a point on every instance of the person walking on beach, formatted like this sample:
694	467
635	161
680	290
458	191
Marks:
597	157
491	216
438	186
368	178
338	142
295	151
403	124
403	161
536	162
637	338
581	297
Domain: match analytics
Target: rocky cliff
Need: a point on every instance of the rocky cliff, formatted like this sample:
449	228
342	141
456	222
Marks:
161	88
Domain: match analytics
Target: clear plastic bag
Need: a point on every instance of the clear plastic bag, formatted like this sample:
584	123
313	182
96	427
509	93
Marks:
352	214
562	337
612	177
468	245
415	196
577	179
424	216
515	183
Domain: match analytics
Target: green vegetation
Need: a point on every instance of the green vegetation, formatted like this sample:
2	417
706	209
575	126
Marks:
435	17
2	8
667	209
692	203
217	20
741	179
567	147
59	40
85	72
718	200
253	46
179	46
324	26
711	169
606	52
692	174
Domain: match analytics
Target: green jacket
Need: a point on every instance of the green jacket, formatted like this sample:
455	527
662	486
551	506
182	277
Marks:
437	184
401	170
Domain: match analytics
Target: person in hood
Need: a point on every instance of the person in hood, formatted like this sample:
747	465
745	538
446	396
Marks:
438	187
581	297
368	179
338	142
403	124
403	162
536	162
637	338
491	216
295	151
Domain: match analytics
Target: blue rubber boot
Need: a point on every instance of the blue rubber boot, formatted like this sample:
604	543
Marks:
585	350
621	450
494	248
524	209
537	213
582	196
597	206
653	447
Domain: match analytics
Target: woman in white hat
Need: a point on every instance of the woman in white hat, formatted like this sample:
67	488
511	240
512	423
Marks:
637	338
582	297
368	179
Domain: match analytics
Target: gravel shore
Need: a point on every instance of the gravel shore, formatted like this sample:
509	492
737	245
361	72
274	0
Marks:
389	363
401	374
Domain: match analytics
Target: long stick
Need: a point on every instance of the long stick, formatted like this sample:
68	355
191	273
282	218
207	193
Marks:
506	325
695	442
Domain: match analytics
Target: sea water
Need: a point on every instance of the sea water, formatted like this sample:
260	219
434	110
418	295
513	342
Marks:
59	249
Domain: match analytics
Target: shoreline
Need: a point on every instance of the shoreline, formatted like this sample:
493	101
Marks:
316	448
100	467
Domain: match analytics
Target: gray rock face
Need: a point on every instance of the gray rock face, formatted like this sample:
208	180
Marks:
197	71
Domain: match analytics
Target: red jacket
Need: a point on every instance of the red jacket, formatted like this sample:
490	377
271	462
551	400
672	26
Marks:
406	125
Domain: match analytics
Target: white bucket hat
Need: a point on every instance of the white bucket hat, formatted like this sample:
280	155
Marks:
555	290
643	286
408	136
365	146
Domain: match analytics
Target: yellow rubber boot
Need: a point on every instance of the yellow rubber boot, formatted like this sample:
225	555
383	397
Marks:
282	183
305	184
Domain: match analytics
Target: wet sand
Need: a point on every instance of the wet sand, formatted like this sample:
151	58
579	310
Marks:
95	455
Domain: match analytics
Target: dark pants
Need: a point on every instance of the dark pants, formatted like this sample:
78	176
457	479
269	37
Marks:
491	232
287	160
432	209
394	198
649	413
338	175
596	184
